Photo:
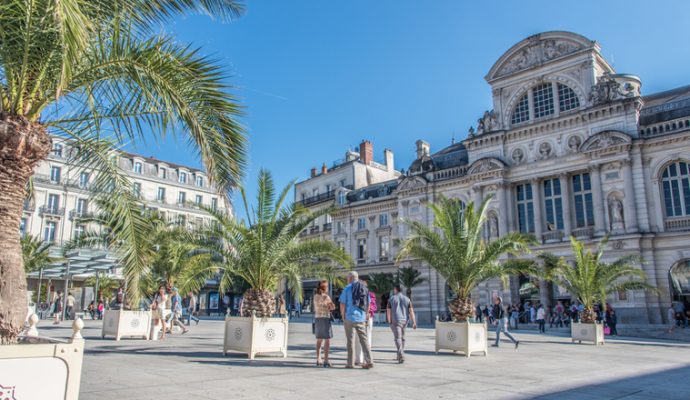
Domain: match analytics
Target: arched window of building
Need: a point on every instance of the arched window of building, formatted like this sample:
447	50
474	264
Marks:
521	112
676	186
543	100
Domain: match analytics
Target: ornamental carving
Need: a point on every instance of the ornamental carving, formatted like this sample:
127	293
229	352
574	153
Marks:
605	140
518	156
487	123
545	151
484	165
614	87
574	143
537	53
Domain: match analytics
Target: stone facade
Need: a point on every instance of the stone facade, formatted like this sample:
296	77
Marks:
570	148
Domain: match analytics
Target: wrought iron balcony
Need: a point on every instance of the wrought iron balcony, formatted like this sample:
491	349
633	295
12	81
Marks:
327	226
76	214
53	211
314	229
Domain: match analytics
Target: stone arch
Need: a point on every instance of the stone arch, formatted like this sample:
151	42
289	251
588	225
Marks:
485	164
575	85
605	139
657	169
679	279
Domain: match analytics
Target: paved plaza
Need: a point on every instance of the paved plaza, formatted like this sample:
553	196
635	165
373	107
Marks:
544	367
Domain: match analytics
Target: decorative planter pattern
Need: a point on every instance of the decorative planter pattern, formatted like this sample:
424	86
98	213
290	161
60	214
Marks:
251	335
587	332
45	369
121	323
461	336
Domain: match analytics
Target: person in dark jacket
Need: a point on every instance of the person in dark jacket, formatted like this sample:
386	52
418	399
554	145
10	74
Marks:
611	321
500	317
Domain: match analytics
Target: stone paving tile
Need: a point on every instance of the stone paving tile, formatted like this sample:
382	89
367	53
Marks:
544	367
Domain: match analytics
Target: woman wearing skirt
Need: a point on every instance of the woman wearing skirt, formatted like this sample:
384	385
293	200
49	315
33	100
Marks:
323	305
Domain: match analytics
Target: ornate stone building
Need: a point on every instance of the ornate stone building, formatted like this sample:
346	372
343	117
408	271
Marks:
570	148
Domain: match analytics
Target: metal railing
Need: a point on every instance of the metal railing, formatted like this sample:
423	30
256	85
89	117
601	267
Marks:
586	232
55	211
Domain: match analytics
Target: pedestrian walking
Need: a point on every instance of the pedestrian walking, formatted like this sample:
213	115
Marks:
398	313
57	308
323	330
176	311
541	318
191	309
671	315
354	307
373	308
158	310
69	306
611	321
501	322
478	313
282	310
515	316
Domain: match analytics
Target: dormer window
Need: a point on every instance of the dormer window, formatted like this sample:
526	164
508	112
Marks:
200	181
57	150
540	101
137	167
163	173
183	177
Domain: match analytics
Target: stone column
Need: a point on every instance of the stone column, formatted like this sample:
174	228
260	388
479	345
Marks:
598	200
567	215
477	196
629	211
536	204
503	208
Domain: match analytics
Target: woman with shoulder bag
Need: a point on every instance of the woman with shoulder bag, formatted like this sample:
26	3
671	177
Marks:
323	305
158	310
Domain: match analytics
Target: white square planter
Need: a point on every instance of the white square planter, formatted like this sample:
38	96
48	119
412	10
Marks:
252	335
121	323
587	332
466	337
45	369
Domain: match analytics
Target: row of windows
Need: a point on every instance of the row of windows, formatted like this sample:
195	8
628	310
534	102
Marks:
553	203
384	248
181	196
541	98
137	167
362	222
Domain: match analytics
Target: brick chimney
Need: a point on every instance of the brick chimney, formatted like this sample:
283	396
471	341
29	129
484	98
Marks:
324	169
366	152
313	172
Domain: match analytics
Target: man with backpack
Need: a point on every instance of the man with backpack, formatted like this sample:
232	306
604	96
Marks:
354	308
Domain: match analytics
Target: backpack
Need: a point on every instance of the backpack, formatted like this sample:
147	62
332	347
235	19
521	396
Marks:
360	296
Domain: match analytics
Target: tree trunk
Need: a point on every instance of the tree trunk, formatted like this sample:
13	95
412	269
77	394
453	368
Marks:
588	316
461	308
22	146
261	302
545	293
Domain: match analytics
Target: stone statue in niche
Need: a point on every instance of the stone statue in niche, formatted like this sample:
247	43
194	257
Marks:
544	151
574	143
608	88
493	226
616	214
518	156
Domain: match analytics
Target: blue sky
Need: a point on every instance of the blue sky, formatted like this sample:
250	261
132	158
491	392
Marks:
317	77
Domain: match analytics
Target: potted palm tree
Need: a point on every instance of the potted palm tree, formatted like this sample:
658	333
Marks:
590	280
456	248
36	255
97	73
263	251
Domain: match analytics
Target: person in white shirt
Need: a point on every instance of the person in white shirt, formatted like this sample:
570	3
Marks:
541	318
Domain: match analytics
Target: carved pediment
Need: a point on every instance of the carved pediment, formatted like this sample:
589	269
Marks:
410	183
485	165
605	140
537	50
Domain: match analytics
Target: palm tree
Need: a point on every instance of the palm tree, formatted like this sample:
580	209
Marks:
265	249
591	280
180	260
410	277
381	283
96	73
36	253
455	247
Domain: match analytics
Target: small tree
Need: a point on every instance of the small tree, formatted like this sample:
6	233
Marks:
265	249
106	285
455	247
410	277
36	253
591	280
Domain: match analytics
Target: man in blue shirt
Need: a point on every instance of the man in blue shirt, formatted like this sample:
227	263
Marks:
176	311
355	320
